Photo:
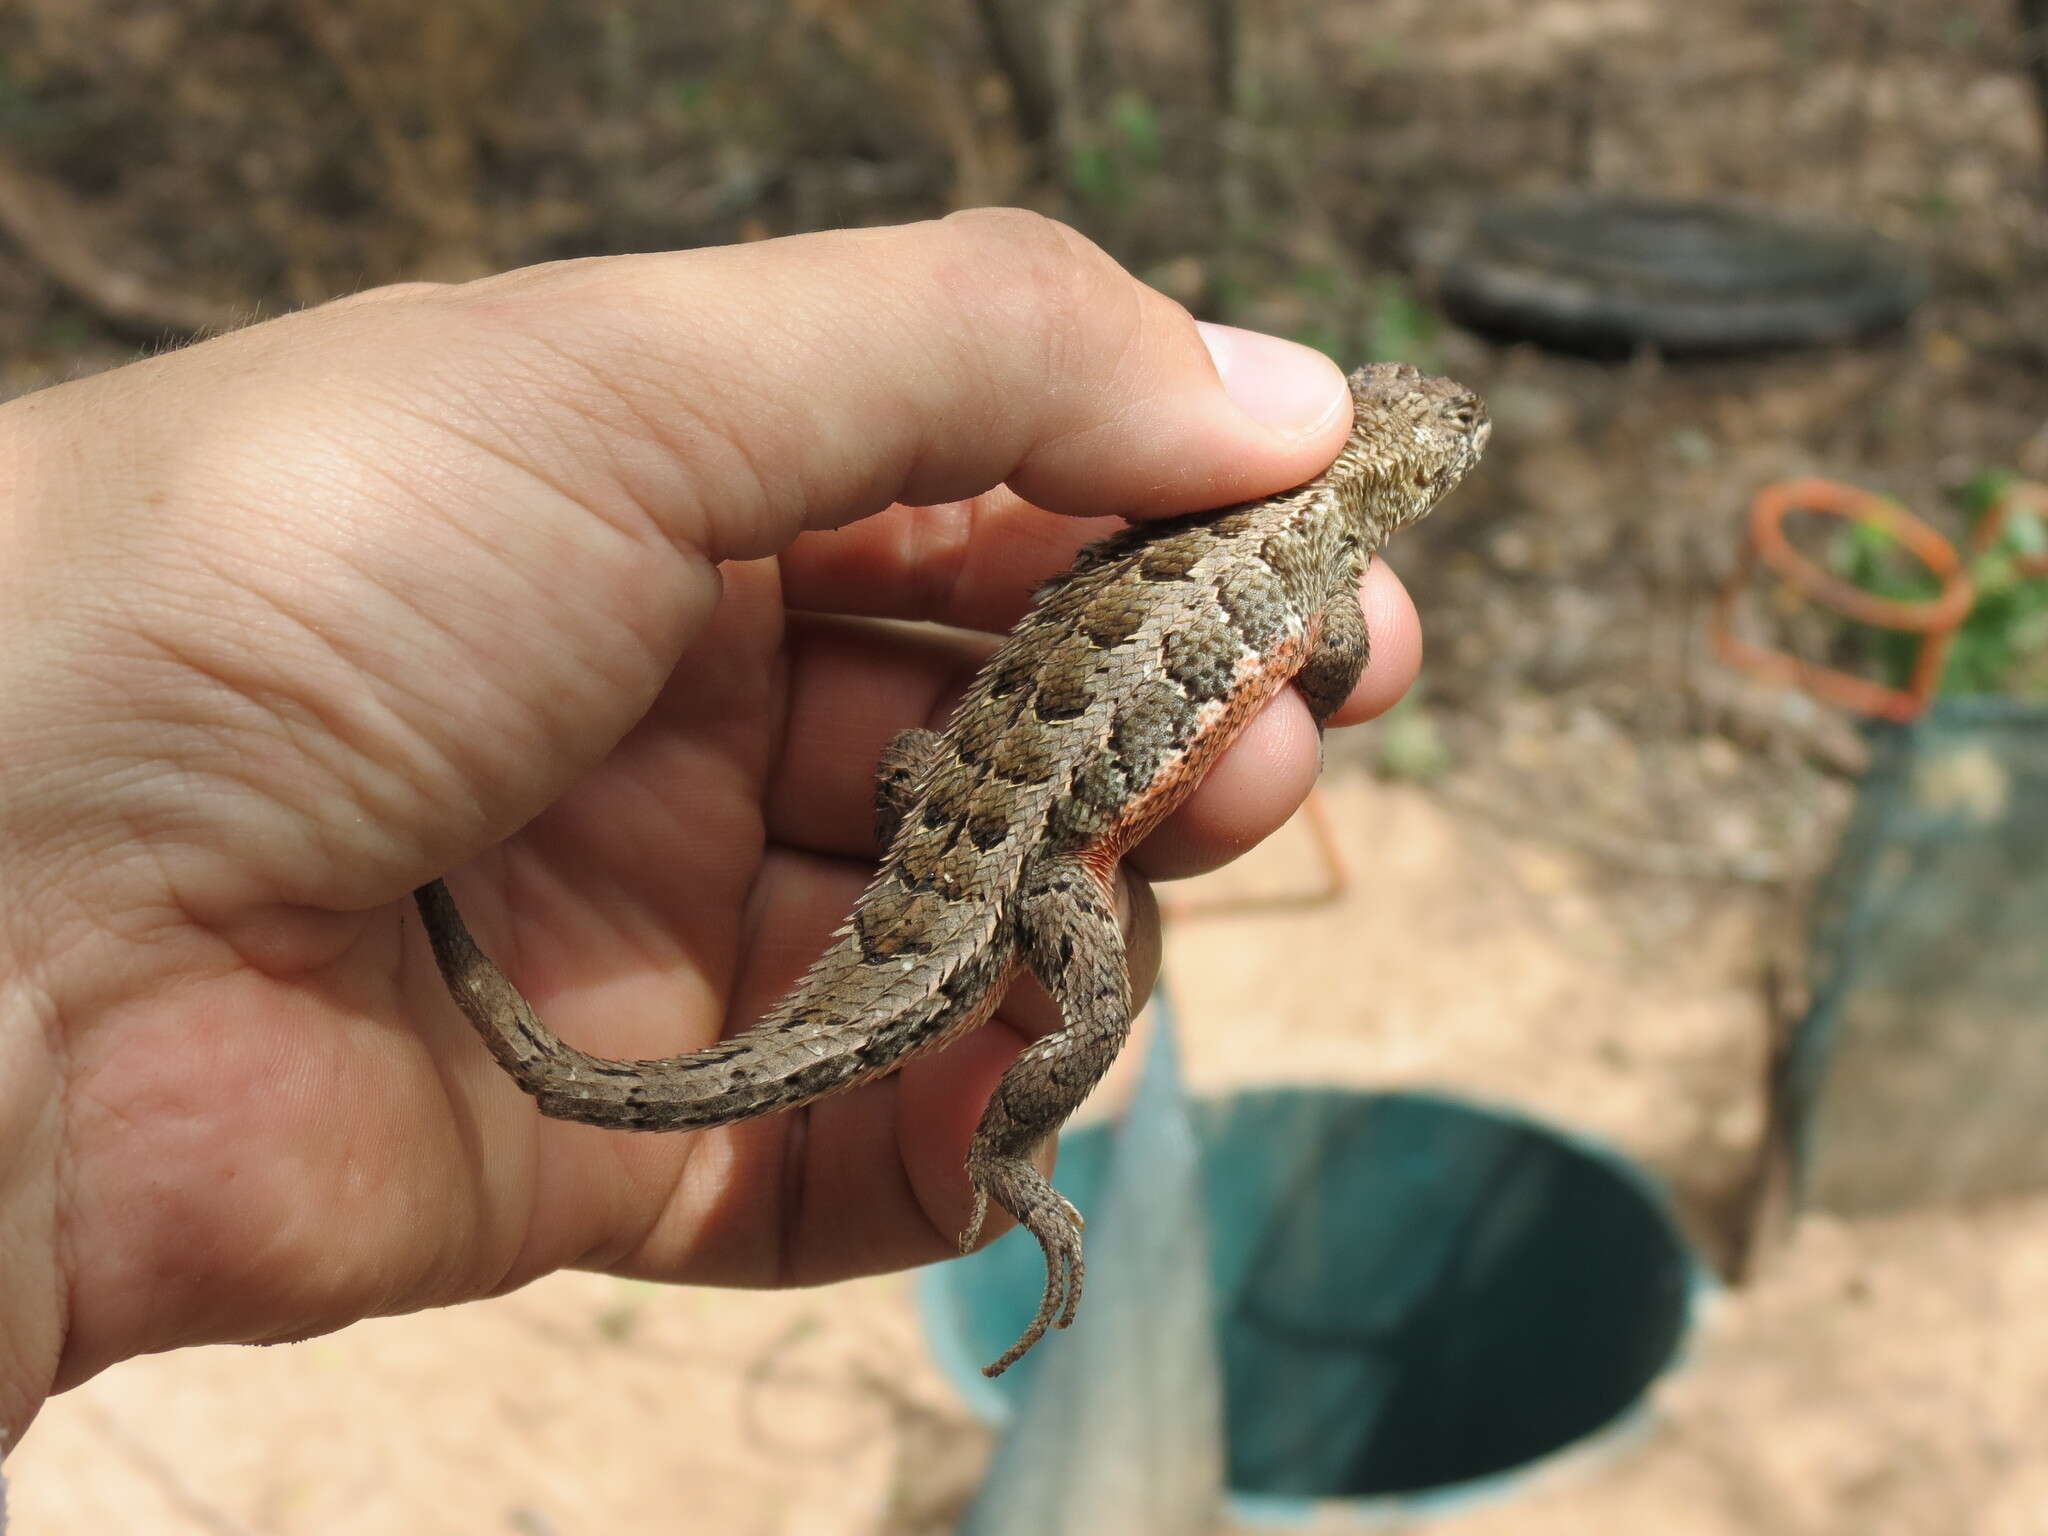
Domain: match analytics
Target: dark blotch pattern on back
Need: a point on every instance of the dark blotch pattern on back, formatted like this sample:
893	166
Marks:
1202	657
958	870
1063	690
894	922
1148	727
974	739
1011	673
1284	554
945	803
1059	603
1095	796
989	814
1255	604
1024	755
1113	617
1170	561
916	860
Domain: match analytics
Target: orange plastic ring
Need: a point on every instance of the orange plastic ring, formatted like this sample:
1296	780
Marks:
1831	498
1935	619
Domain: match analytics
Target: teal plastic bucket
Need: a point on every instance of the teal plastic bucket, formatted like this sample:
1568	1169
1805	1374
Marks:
1417	1298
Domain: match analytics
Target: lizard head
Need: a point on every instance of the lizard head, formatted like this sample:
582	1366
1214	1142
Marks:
1412	438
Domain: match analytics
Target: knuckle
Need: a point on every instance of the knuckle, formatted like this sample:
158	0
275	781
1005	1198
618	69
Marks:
1027	238
1045	277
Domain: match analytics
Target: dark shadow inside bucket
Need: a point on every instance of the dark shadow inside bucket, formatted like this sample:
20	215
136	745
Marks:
1412	1292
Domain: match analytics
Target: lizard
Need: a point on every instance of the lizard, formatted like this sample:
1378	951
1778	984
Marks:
1001	833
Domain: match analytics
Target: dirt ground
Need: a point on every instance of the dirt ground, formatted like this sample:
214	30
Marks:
1882	1377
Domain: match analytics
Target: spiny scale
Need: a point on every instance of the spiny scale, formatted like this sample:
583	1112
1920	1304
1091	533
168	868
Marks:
1098	715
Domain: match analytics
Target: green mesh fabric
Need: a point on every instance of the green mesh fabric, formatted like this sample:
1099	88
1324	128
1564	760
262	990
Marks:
1920	1072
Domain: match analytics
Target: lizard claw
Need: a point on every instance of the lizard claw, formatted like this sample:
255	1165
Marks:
972	1234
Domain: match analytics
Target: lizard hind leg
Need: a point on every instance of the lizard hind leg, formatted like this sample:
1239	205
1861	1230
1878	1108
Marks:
1068	931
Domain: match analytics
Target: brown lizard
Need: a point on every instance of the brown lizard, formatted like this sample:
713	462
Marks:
1097	716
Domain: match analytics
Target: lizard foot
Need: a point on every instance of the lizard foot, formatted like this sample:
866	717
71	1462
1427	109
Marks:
1048	1216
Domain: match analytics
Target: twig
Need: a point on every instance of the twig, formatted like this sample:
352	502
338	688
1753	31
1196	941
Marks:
53	229
2033	18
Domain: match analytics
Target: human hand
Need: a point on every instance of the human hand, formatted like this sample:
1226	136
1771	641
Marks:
533	576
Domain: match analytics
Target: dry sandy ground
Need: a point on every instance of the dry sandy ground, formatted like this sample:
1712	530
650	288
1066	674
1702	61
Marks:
1883	1377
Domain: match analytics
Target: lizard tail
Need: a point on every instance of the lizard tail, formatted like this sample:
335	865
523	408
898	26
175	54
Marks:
801	1050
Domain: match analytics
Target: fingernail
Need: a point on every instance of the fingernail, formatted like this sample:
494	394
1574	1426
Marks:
1279	384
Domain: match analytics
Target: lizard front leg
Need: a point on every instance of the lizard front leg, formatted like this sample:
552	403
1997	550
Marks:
1068	933
1341	651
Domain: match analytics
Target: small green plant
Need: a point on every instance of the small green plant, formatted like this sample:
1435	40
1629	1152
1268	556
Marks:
1108	172
2002	644
1401	328
1135	126
1410	746
1364	319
